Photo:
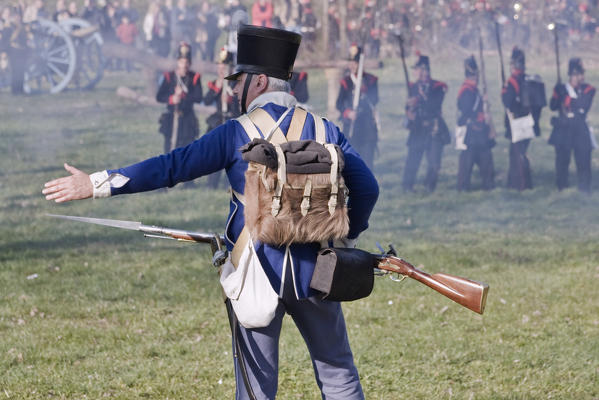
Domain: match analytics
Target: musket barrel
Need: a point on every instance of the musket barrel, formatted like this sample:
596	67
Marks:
403	63
556	40
498	38
200	237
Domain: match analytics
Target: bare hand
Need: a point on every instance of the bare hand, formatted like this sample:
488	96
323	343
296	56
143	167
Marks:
412	102
75	187
351	114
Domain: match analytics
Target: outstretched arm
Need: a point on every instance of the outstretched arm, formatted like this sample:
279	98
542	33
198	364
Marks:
77	186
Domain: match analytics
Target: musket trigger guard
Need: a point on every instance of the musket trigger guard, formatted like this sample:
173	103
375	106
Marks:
397	277
219	252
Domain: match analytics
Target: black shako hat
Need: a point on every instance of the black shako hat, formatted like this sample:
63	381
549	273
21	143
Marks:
575	66
518	58
423	62
470	66
266	51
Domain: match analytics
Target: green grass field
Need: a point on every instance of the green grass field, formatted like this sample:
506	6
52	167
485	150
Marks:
89	312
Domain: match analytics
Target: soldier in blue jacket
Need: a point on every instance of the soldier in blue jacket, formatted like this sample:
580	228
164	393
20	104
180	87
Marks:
364	137
521	95
477	141
428	130
264	64
570	129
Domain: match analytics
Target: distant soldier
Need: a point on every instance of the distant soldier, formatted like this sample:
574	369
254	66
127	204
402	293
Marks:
307	24
570	129
428	130
299	86
180	89
220	93
364	137
14	38
523	97
477	142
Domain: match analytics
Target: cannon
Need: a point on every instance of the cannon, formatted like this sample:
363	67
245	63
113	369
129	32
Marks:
61	55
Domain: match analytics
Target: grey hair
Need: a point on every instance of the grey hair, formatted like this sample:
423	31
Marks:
278	85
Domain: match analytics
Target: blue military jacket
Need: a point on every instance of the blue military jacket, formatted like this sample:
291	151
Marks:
219	149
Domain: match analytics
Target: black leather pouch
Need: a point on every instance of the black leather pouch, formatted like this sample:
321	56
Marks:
343	274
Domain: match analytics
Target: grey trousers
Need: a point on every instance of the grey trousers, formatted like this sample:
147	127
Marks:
322	326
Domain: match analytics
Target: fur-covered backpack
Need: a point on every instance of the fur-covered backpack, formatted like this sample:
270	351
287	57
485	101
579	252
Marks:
294	190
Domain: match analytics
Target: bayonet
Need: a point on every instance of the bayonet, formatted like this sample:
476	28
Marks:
152	231
115	223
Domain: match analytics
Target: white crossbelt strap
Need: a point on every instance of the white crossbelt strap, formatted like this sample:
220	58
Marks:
249	128
319	129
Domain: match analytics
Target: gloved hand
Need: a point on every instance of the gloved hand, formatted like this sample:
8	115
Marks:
560	89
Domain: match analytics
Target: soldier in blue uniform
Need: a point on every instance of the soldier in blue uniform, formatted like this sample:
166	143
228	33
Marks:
180	89
364	137
264	63
477	141
299	86
220	93
428	130
522	95
571	133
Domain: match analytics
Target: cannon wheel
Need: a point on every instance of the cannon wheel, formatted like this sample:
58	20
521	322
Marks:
52	58
88	48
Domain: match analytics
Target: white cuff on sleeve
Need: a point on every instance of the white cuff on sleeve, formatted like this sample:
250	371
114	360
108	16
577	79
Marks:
102	182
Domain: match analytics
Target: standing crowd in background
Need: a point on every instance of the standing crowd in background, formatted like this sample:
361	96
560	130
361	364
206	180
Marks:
373	24
372	27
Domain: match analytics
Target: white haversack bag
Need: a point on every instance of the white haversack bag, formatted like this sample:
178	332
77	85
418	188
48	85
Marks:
522	128
460	136
248	288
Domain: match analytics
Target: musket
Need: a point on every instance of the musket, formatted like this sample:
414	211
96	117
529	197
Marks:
498	39
357	90
466	292
483	77
402	54
553	27
175	131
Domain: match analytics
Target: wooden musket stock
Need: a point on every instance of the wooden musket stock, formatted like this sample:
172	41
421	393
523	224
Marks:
468	293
